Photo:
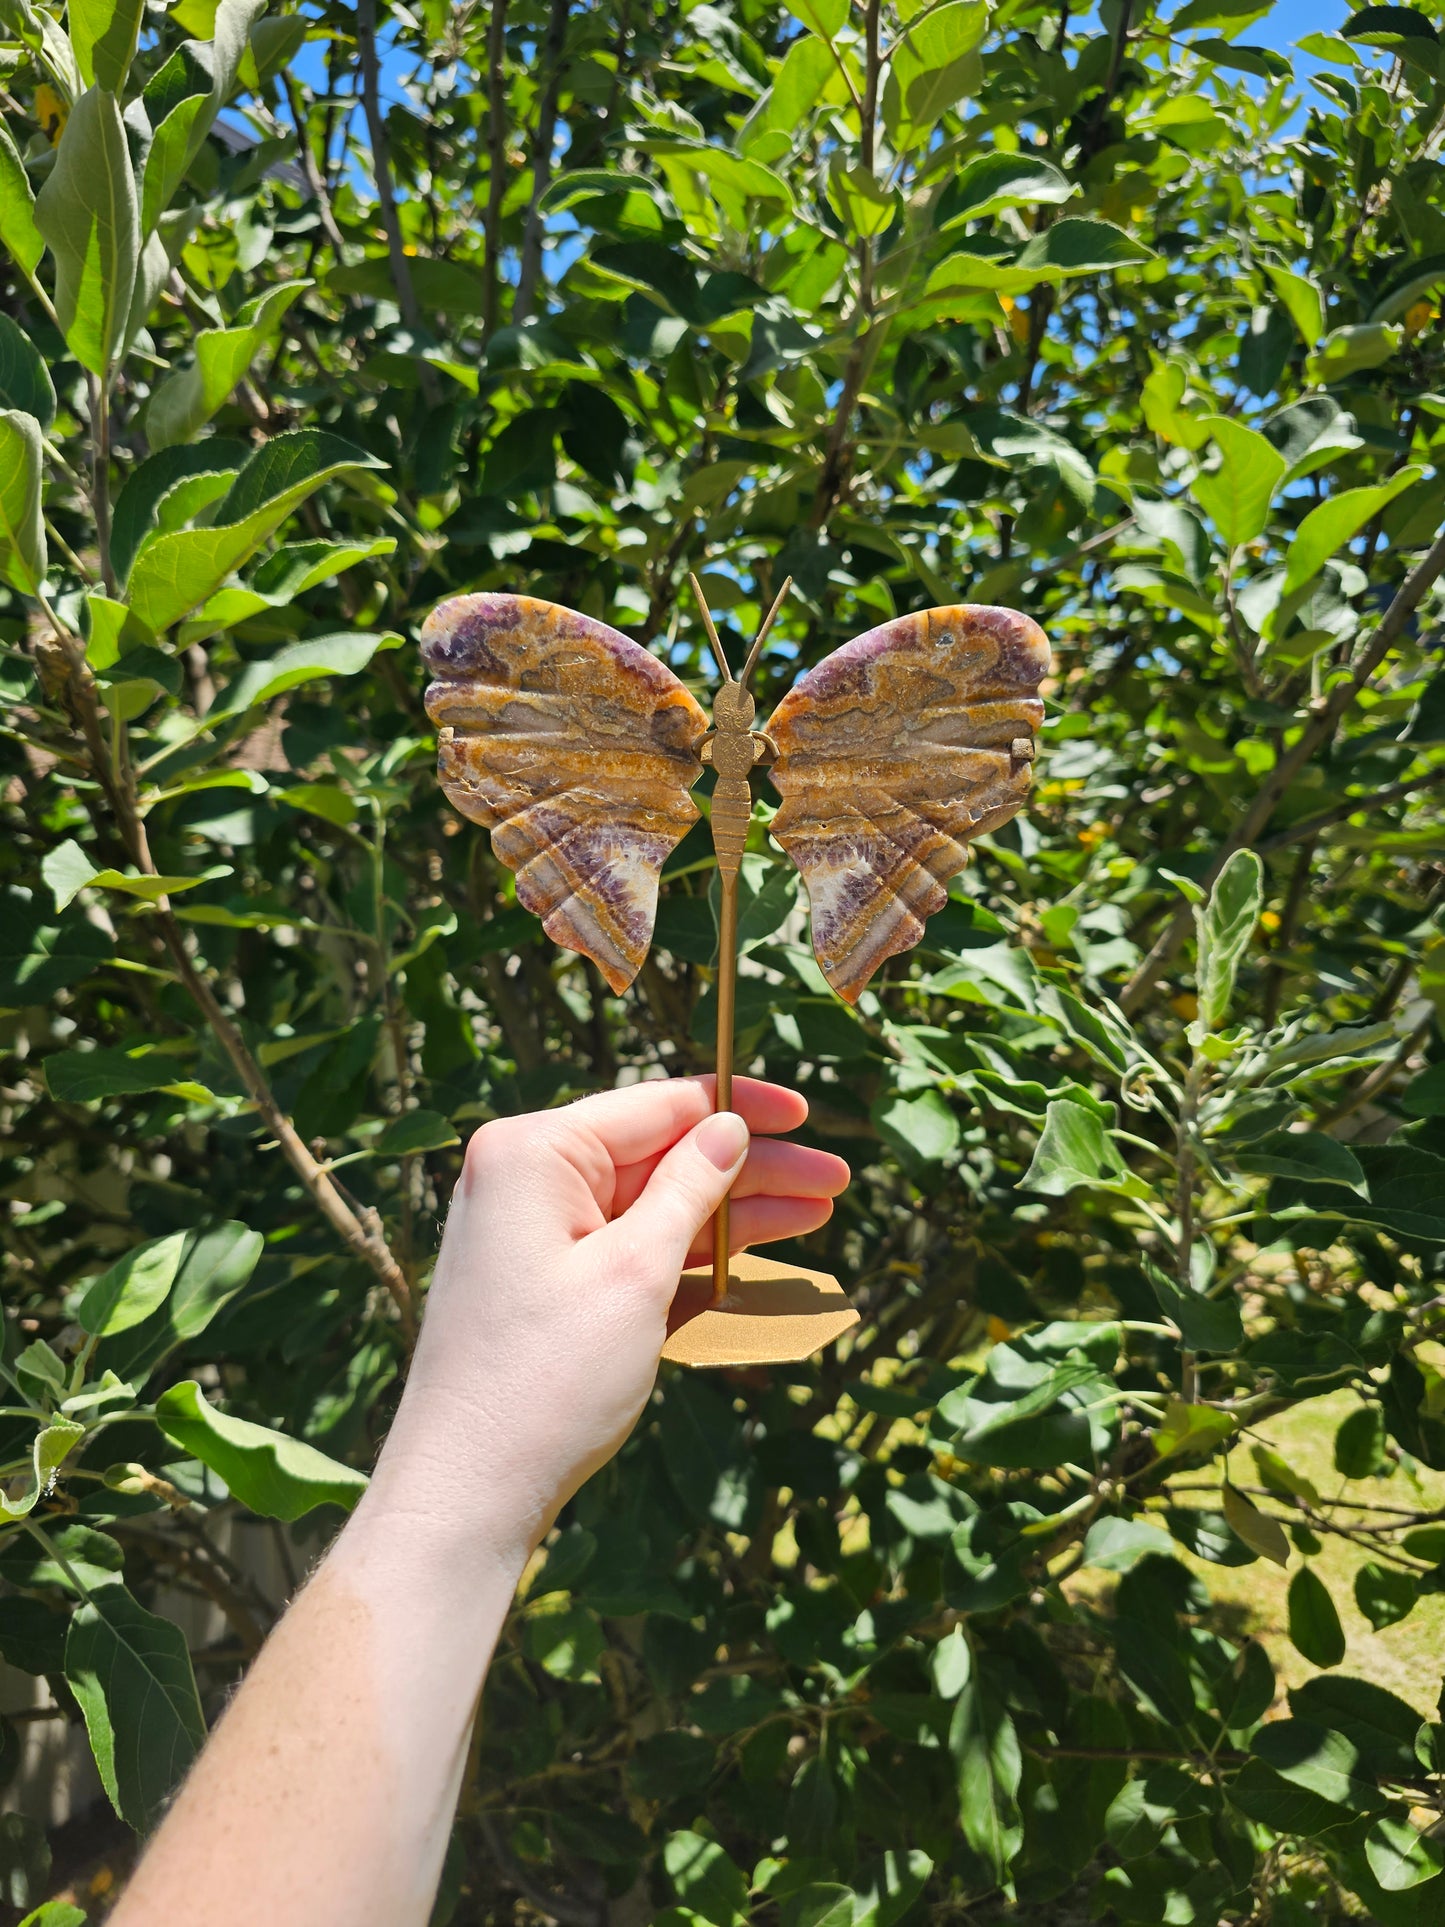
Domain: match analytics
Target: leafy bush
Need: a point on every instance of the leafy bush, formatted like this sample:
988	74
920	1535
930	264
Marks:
1107	317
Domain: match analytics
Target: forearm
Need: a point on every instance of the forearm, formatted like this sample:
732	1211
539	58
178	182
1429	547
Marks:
327	1792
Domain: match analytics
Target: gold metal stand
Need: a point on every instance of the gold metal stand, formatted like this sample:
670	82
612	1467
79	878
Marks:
751	1311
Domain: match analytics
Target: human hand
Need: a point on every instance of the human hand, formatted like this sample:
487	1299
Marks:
567	1233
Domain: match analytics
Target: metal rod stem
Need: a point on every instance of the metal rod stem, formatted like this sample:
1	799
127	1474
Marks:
727	982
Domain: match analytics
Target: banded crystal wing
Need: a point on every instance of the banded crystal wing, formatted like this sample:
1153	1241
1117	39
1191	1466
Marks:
577	750
892	754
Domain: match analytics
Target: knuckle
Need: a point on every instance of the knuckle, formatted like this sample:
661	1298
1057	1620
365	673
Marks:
494	1144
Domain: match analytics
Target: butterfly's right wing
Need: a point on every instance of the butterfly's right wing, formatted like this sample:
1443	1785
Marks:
892	755
577	750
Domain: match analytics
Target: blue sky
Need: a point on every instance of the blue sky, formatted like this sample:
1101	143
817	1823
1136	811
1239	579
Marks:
1287	22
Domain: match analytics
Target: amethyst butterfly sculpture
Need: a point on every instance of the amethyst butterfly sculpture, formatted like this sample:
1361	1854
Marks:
579	751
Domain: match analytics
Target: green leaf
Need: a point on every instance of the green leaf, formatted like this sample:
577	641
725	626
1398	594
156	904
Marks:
1389	27
989	182
39	957
68	870
1360	1444
1319	1760
415	1131
276	1476
1070	247
922	1126
1349	351
156	496
1285	1807
85	1076
935	62
88	213
53	1443
1303	300
132	1288
25	383
1424	1096
1115	1544
706	1879
1078	246
1377	1723
290	571
1205	1324
1236	495
888	1887
216	1261
22	530
1075	1149
131	1674
55	1913
18	231
183	98
1192	1428
1259	1532
185	401
1385	1594
1314	1625
826	18
1401	1858
258	682
1279	1475
989	1764
1161	397
862	203
103	34
1209	1535
709	1463
1327	529
1309	1156
176	572
1225	927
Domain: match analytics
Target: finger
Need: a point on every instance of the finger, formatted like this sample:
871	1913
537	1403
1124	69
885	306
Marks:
759	1221
652	1239
646	1119
766	1107
791	1171
786	1170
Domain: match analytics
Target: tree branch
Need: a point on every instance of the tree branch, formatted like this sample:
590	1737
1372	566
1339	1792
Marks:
496	162
361	1231
1325	717
1310	828
310	173
381	173
542	146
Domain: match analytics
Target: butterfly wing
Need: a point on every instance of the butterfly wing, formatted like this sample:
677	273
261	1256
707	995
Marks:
577	750
892	755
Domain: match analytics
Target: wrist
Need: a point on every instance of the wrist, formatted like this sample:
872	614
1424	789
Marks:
404	1534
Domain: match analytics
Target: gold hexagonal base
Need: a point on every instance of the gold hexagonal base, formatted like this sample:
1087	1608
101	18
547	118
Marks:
776	1314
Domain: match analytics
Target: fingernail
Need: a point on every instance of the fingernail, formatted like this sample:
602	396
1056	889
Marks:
722	1139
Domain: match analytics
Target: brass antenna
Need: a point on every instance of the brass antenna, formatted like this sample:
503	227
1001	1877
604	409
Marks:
771	618
711	627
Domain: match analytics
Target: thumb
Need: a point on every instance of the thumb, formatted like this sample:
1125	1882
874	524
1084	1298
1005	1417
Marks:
682	1194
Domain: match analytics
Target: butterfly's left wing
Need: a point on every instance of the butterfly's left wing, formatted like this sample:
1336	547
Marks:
577	750
893	754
